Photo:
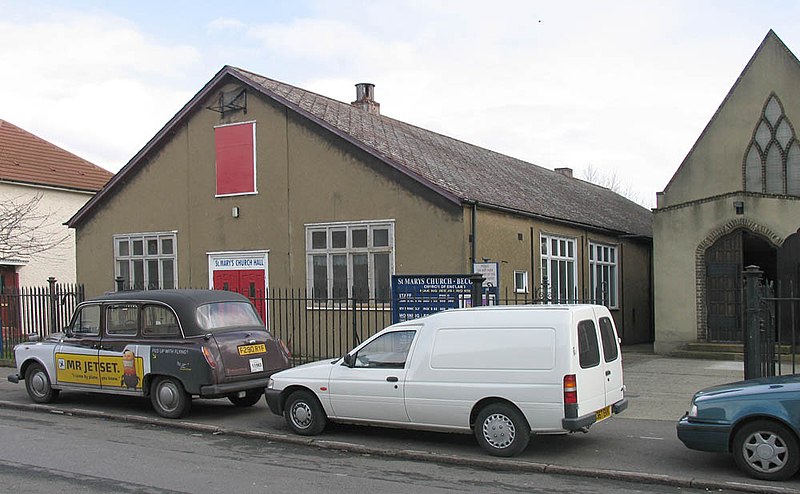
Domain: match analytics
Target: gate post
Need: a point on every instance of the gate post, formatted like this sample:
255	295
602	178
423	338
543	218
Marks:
752	328
53	305
476	292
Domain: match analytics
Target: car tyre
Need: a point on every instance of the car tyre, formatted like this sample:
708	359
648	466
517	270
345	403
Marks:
501	430
766	450
304	414
168	397
250	398
37	383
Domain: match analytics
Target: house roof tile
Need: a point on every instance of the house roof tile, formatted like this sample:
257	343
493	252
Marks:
26	158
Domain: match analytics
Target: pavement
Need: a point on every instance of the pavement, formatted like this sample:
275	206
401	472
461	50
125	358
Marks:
639	445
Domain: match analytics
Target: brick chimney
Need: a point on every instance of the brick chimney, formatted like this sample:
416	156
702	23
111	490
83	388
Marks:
365	98
567	172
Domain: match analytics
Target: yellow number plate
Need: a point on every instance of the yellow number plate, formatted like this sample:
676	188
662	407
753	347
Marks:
602	414
252	349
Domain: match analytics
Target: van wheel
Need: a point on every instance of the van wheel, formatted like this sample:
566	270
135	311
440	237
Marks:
169	399
37	383
766	450
502	430
250	398
304	414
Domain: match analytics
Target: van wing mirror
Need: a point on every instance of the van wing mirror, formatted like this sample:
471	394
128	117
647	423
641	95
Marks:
349	359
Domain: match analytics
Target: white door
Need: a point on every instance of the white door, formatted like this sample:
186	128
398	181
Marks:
590	374
373	388
612	360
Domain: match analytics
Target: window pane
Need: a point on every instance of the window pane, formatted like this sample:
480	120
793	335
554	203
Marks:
166	246
340	276
381	282
339	239
153	281
588	351
544	245
360	277
123	247
320	282
168	268
359	238
610	350
138	275
753	182
387	352
319	240
159	321
122	319
774	171
380	237
152	247
138	247
87	320
124	269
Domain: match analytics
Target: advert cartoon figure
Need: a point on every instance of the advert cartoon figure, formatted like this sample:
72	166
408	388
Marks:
129	377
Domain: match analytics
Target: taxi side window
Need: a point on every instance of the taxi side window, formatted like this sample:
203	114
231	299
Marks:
122	319
159	321
87	322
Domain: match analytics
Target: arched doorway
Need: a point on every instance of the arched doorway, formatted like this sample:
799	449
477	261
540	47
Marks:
725	261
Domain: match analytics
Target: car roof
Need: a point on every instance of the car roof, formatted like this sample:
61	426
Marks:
182	301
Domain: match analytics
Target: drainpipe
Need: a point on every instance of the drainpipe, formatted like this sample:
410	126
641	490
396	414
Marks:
474	250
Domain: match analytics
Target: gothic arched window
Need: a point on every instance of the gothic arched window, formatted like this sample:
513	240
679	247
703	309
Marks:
772	160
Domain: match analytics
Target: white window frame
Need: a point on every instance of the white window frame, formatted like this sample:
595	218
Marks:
160	257
523	288
561	258
603	268
348	250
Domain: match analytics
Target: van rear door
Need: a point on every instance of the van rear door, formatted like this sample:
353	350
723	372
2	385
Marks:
590	378
612	359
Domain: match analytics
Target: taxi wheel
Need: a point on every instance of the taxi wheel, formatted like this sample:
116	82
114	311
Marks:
37	382
169	399
502	430
250	398
305	414
766	450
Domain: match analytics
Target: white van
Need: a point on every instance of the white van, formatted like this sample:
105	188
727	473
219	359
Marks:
500	372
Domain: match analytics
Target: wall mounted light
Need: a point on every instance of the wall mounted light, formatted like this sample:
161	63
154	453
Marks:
738	206
235	211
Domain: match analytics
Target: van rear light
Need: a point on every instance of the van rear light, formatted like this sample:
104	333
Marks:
209	357
570	389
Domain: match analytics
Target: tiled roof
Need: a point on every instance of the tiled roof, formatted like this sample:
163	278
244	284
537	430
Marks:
26	158
466	171
457	170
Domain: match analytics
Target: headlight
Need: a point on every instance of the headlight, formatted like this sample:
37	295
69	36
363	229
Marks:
693	411
270	383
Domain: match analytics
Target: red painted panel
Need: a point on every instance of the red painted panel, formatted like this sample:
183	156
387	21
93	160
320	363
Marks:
235	148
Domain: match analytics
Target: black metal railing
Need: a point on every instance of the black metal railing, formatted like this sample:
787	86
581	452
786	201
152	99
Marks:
35	310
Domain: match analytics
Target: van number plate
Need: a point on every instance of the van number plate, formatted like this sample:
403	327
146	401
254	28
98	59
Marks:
252	349
602	414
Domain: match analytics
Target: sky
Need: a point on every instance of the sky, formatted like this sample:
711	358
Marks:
621	88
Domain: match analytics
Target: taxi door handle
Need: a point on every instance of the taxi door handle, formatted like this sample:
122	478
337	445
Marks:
392	379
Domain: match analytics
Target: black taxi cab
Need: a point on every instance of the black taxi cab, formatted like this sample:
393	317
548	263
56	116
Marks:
168	345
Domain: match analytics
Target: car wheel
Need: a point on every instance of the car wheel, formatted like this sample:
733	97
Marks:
250	398
766	450
169	399
502	430
37	382
304	414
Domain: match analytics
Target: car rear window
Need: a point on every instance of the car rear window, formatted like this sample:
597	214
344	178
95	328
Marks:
610	351
223	315
588	351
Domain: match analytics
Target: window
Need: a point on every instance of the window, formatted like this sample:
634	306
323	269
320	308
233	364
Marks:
87	322
388	351
588	351
235	158
158	320
122	319
772	160
520	282
146	260
608	336
350	260
603	274
559	275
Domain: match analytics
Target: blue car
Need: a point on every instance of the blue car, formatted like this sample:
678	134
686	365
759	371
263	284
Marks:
757	420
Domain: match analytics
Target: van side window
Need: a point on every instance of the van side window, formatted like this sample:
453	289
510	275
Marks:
388	351
610	351
588	352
